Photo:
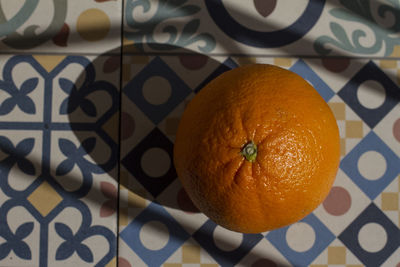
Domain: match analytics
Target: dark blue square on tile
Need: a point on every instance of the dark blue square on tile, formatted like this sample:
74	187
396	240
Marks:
150	162
373	219
157	90
349	94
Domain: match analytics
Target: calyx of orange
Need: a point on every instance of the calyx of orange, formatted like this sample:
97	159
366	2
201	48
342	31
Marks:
249	151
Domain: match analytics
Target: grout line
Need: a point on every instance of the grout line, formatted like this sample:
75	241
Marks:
120	52
119	129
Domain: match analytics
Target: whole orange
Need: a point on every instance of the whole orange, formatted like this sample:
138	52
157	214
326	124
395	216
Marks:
257	149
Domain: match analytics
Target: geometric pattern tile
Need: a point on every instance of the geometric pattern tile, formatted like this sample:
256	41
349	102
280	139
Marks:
358	165
156	90
302	242
150	162
220	249
342	205
372	237
371	94
154	235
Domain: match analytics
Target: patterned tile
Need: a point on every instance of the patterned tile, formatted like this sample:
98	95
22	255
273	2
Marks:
348	198
303	241
60	169
62	150
226	252
260	28
60	26
154	235
372	237
373	178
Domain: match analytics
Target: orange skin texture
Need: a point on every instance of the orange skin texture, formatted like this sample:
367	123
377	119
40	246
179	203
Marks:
297	139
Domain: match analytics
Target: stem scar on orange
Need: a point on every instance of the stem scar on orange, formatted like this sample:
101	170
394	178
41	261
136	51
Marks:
257	149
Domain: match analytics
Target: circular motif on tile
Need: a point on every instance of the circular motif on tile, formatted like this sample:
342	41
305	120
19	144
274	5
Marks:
127	125
185	203
155	162
263	12
193	62
372	237
371	94
264	263
157	90
300	237
154	235
122	262
338	202
396	130
93	24
259	32
226	240
372	165
335	64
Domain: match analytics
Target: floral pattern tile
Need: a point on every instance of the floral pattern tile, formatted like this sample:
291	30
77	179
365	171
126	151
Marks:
58	161
256	27
87	128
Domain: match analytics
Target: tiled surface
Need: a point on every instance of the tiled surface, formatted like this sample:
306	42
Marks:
90	26
67	200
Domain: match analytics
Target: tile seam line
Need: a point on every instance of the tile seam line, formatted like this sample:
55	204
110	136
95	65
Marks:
120	54
195	53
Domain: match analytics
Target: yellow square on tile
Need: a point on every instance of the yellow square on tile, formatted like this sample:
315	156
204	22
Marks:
283	61
45	198
336	255
388	64
342	146
136	200
190	254
246	60
208	265
49	62
396	51
339	110
123	216
354	129
390	201
319	265
172	265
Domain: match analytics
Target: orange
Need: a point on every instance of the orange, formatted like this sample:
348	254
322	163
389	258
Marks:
257	149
